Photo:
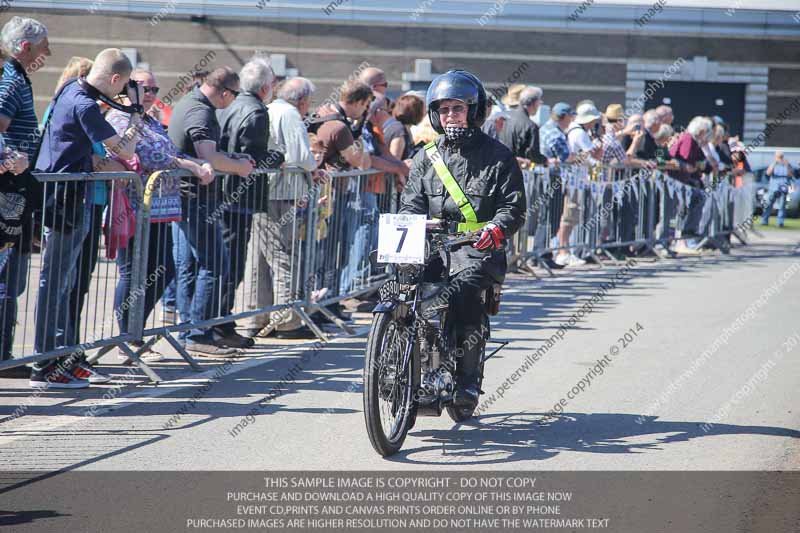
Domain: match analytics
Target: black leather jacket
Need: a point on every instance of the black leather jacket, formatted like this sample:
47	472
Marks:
488	174
245	129
521	135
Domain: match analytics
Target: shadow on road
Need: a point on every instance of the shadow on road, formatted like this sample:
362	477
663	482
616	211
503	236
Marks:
512	437
529	304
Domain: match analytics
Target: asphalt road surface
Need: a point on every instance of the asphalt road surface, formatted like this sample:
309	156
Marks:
707	378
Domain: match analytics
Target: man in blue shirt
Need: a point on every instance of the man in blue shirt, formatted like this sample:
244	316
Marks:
74	124
554	138
25	40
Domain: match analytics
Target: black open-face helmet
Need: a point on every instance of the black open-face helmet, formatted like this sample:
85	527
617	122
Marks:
457	85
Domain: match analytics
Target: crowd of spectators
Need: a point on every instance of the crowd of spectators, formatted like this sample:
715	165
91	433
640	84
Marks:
225	227
615	140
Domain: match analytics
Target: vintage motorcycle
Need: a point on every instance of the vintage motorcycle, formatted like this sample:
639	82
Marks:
411	354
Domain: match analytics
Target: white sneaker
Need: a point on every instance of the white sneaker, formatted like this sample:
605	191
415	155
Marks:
151	356
562	259
85	371
662	252
318	294
573	260
682	249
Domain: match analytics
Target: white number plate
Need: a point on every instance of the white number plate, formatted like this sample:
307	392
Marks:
401	239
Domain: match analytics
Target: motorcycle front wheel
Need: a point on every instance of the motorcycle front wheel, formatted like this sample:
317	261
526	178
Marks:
389	408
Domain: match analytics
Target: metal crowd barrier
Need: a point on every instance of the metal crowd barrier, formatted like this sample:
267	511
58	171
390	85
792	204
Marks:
279	245
270	250
235	255
614	207
345	232
59	300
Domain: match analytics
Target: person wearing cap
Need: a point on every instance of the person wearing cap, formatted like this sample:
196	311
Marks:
597	130
556	149
521	134
473	184
554	138
579	133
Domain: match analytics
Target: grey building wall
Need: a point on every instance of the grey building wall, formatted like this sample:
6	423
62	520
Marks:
569	65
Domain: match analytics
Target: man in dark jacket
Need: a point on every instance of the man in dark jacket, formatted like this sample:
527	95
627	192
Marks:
487	175
245	129
520	133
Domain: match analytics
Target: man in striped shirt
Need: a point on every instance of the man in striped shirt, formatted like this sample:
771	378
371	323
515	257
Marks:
25	40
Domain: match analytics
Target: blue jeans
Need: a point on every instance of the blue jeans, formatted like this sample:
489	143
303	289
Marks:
159	256
13	278
359	235
774	196
56	280
179	249
185	266
206	248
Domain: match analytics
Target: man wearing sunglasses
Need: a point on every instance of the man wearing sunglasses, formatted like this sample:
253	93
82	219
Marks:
376	79
196	132
473	183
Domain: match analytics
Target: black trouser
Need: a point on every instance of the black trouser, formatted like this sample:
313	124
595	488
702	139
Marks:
469	314
236	236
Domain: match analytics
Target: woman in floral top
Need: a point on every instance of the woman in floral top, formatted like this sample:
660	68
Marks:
155	151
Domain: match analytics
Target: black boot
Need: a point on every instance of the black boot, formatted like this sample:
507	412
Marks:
468	367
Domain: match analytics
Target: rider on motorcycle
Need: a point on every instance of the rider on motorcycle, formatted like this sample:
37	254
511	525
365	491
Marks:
472	182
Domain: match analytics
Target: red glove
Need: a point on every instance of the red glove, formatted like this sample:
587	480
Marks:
491	238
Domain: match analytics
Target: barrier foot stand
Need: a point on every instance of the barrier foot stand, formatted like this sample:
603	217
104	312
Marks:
183	353
336	320
652	249
723	245
526	267
739	237
597	260
142	349
502	344
310	323
611	256
544	265
100	353
149	372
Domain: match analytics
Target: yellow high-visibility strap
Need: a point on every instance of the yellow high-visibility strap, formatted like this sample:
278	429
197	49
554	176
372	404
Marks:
452	186
464	227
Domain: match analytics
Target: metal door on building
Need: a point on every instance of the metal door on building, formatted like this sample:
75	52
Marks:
690	98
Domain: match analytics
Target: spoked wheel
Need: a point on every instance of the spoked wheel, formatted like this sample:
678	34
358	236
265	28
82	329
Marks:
462	414
389	409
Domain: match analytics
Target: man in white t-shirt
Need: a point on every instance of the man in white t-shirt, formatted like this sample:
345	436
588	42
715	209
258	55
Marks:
580	142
